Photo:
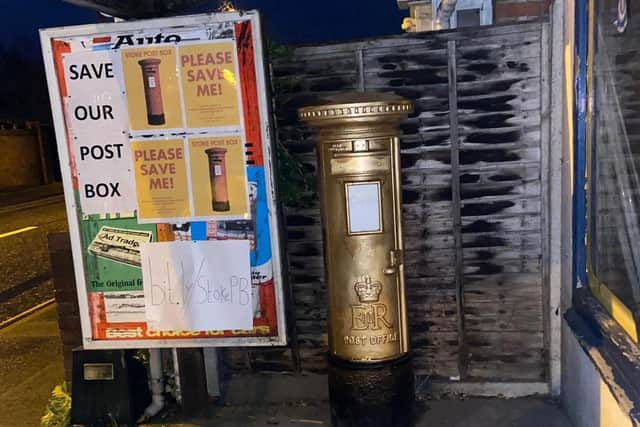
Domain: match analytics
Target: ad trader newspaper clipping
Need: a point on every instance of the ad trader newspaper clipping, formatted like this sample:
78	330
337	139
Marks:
162	134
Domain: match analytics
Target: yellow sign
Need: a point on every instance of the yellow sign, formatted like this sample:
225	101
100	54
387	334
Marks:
218	176
151	83
209	84
161	178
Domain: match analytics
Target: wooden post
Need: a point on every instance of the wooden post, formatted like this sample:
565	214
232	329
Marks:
193	381
44	164
455	206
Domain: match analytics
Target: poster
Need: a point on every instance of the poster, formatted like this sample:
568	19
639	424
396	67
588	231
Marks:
207	179
151	84
121	245
217	164
114	277
98	123
161	178
209	84
171	117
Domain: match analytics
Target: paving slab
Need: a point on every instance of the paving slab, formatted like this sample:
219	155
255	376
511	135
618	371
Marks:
473	412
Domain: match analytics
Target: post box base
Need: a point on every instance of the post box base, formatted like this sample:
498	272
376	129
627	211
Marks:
155	119
371	395
221	206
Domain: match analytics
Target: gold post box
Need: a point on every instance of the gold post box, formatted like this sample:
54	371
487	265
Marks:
359	175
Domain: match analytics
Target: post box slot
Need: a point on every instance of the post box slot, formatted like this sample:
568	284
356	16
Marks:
349	154
364	213
359	164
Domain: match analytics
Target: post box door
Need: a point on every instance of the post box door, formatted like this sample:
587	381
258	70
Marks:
363	249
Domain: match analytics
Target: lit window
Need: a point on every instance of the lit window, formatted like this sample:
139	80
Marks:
468	13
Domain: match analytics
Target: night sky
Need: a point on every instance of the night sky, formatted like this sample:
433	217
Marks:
23	18
285	21
308	21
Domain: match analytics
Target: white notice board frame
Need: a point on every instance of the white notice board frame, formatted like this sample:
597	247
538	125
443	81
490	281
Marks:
166	25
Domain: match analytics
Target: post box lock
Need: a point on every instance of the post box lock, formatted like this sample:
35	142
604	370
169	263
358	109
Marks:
395	260
360	145
359	174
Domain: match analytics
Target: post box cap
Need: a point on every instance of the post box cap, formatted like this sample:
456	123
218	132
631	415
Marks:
149	62
356	105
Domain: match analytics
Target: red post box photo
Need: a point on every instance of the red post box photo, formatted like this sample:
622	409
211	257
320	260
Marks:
152	88
152	92
218	178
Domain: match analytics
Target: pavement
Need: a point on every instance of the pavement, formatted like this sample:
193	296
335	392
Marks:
31	365
471	412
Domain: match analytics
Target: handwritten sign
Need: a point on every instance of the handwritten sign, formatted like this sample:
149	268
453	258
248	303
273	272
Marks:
98	122
197	285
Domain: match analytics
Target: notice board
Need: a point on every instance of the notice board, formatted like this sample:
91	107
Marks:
163	136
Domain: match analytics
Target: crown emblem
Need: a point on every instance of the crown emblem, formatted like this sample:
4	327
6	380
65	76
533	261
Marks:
367	290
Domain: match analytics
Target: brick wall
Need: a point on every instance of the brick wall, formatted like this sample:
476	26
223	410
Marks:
21	162
519	10
66	299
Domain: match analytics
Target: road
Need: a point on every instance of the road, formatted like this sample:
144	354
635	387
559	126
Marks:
25	273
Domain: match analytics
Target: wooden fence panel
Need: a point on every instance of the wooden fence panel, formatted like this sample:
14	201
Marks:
498	289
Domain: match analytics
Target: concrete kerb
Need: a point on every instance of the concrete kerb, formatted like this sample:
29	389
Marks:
31	204
24	198
25	315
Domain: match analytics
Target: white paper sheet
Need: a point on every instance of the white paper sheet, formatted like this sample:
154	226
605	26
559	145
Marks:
98	120
364	207
197	285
